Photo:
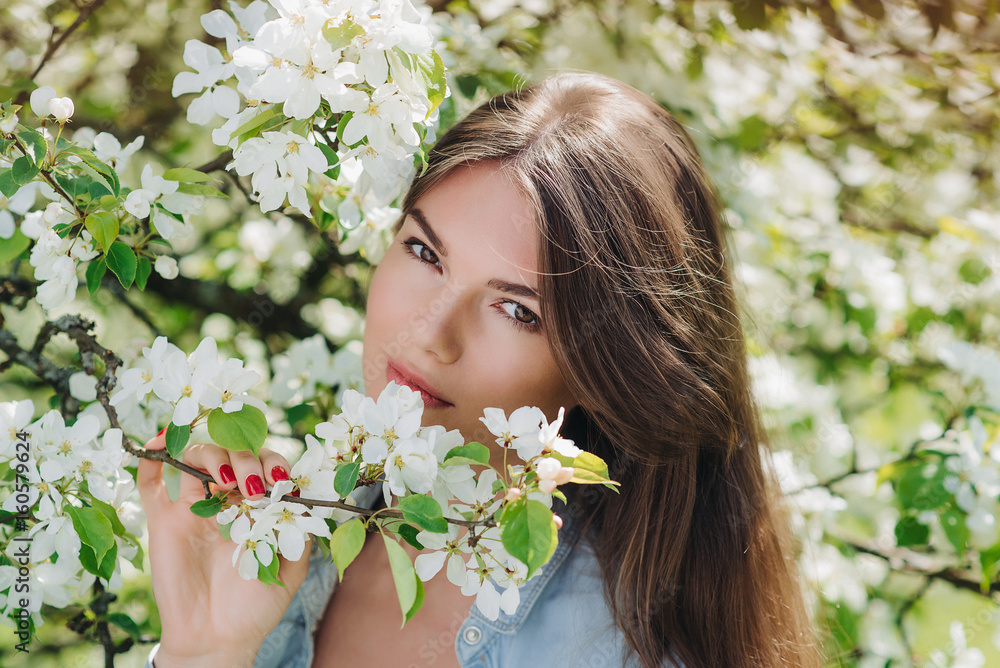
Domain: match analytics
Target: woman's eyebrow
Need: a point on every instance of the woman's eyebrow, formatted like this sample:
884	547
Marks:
516	289
418	215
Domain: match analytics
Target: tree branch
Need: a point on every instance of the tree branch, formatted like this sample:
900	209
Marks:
56	377
78	329
85	13
908	561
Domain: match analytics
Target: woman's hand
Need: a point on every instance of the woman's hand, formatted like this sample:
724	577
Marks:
209	614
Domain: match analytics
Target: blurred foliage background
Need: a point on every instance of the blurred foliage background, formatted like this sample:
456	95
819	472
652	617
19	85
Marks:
855	146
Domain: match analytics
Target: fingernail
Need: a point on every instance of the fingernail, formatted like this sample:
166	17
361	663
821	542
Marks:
255	485
162	431
278	473
226	473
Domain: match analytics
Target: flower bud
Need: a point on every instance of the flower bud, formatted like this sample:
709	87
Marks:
61	108
39	100
166	267
558	521
548	468
564	475
548	485
513	494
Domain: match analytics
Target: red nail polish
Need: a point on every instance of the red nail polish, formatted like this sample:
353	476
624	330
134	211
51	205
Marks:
255	485
226	473
278	473
162	431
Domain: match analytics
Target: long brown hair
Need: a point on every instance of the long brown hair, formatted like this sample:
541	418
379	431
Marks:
638	306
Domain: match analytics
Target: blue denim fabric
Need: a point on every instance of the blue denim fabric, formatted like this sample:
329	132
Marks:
562	619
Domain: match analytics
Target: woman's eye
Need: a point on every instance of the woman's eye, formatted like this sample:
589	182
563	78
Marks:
421	252
521	316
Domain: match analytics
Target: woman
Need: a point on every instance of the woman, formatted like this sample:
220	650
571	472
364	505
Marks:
563	248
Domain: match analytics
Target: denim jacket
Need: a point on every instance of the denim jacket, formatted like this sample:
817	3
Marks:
562	618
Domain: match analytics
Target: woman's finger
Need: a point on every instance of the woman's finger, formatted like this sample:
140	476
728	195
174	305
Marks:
149	478
214	460
275	466
249	473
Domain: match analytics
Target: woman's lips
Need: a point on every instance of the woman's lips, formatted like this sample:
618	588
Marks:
430	400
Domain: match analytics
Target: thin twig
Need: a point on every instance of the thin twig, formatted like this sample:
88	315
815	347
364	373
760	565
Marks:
908	561
54	46
216	164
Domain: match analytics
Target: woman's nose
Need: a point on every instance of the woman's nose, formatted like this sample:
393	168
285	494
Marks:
437	327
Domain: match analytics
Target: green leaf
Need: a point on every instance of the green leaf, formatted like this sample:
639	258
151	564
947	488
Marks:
201	189
142	271
125	623
186	175
423	511
102	174
346	543
94	529
269	574
921	486
331	159
104	567
430	70
208	507
252	126
121	260
588	461
585	477
137	559
990	561
95	272
911	532
295	414
409	534
588	469
177	438
341	34
953	523
35	143
343	124
418	600
23	170
347	478
529	533
13	247
109	511
103	226
8	186
752	133
244	429
403	575
470	453
77	150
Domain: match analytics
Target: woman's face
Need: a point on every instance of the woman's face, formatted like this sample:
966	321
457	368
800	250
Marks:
450	306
